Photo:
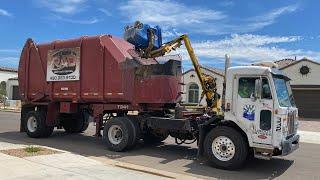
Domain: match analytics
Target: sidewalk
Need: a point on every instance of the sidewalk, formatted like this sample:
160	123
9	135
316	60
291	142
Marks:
10	110
64	165
309	125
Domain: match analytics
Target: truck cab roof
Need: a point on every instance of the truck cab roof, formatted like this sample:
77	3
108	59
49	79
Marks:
255	70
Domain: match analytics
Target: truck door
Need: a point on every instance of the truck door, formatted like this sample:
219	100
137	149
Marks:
263	122
255	113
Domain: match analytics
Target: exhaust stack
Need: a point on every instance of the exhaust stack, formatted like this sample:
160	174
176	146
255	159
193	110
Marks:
226	66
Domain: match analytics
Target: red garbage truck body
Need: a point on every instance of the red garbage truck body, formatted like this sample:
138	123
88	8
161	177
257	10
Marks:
100	73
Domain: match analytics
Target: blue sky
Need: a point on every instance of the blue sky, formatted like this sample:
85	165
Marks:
248	31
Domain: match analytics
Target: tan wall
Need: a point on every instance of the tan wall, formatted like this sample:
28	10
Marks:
10	84
187	79
313	78
4	76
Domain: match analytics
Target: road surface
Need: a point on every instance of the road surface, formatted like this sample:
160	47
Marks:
302	164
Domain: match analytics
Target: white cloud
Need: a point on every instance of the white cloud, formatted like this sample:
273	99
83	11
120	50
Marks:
269	18
227	3
198	20
9	61
63	6
78	21
168	13
75	21
248	48
169	34
9	58
245	25
9	50
5	13
105	11
272	15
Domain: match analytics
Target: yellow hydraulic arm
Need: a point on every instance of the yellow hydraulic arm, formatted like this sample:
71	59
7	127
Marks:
208	83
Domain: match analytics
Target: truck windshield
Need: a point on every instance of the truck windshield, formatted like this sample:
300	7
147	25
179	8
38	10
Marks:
284	92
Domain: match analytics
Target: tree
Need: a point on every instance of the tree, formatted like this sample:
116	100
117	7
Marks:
3	91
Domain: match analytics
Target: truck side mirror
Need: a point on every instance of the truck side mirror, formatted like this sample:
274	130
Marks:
257	89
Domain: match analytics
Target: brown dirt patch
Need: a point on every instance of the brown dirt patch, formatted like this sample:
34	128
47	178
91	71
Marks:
24	152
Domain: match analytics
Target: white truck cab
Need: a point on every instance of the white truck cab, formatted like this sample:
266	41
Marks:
259	100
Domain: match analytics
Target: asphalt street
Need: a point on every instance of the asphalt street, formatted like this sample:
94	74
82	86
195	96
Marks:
302	164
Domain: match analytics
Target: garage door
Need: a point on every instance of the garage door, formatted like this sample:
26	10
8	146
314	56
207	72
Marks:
308	102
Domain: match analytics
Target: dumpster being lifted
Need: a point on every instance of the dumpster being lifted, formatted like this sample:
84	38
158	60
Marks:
66	83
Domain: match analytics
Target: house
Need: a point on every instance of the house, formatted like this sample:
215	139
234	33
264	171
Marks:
12	88
6	73
305	84
192	87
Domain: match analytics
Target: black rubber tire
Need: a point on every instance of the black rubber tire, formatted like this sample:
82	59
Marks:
241	148
153	138
75	123
137	131
42	129
128	133
24	111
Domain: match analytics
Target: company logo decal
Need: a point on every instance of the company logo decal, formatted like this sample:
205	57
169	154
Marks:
248	112
63	64
262	136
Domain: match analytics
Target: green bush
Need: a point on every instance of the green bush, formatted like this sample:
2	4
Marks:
32	149
3	91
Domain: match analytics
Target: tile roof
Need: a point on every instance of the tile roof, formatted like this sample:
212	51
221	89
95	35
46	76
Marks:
297	61
284	62
14	78
7	69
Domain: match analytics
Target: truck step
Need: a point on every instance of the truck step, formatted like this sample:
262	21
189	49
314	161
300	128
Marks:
264	156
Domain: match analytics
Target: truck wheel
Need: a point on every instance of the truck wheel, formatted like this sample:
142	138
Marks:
24	111
155	137
225	148
119	134
137	132
35	125
75	123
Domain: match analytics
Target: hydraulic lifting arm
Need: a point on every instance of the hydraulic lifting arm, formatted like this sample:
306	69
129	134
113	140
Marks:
208	83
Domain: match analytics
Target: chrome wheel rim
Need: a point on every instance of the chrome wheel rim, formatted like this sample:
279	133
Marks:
115	134
223	148
32	124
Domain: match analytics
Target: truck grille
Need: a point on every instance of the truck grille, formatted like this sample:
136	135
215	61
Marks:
291	128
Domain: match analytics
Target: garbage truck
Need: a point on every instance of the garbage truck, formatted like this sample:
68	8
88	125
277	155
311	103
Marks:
66	83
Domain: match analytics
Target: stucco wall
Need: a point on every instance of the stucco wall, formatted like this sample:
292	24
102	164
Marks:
188	79
293	71
9	88
4	76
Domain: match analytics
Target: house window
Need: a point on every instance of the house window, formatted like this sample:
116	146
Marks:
193	93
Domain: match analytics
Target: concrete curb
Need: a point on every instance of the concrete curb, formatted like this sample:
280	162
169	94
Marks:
10	110
144	169
309	137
